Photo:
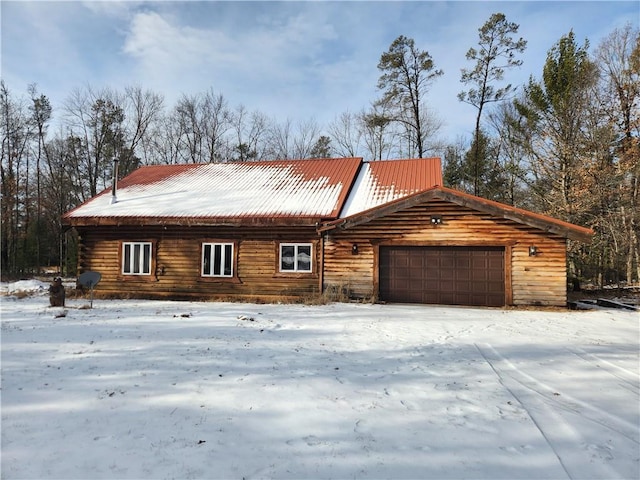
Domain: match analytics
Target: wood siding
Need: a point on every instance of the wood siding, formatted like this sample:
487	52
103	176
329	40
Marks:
529	280
176	267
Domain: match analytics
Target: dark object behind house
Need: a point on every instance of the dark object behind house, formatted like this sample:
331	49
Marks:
56	293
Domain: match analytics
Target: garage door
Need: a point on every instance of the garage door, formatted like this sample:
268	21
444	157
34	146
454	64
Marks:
443	275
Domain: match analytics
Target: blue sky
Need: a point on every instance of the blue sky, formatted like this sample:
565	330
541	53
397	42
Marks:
295	60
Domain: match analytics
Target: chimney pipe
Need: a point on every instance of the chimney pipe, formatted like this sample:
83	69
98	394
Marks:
114	187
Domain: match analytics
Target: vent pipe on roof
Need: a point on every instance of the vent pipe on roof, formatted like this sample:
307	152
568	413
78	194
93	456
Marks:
114	187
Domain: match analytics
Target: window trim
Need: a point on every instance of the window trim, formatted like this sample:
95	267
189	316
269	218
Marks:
123	256
296	245
234	261
222	244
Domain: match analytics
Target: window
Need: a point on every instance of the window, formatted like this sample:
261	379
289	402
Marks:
136	258
295	257
217	259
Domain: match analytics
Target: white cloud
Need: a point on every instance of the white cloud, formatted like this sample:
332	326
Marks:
159	45
286	59
277	57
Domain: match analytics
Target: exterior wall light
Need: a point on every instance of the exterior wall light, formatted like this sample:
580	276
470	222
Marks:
354	249
436	219
533	251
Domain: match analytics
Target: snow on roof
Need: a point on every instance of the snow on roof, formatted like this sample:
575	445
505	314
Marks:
315	188
384	181
299	188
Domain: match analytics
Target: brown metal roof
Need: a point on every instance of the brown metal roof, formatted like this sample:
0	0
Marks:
409	175
303	189
347	190
384	181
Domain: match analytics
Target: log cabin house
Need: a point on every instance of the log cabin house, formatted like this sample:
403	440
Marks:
379	230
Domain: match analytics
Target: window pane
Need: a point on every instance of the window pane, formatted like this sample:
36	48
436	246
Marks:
228	260
217	259
206	259
146	265
126	267
136	258
304	258
287	257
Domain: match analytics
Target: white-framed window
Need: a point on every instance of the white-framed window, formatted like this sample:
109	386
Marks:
217	259
136	258
295	257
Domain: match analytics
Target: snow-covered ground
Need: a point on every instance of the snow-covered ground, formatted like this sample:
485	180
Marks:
159	389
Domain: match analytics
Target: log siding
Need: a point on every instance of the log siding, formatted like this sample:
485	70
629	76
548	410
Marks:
177	262
529	280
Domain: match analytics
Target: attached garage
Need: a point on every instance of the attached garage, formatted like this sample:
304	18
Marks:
443	275
442	246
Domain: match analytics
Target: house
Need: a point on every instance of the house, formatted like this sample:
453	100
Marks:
382	230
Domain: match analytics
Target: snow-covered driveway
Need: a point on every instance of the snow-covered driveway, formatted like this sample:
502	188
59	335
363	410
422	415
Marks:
145	389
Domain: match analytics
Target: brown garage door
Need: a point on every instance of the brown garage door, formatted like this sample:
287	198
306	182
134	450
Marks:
443	275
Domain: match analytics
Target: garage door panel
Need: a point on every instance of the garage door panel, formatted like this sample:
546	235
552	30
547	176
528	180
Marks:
494	276
415	271
447	298
444	275
463	262
431	285
447	262
447	275
495	262
479	275
464	275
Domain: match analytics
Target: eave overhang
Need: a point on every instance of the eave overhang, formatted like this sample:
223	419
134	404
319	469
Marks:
254	222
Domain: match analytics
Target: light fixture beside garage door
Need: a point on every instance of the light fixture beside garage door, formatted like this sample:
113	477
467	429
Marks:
436	220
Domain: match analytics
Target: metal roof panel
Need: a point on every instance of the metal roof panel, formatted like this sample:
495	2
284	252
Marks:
384	181
292	188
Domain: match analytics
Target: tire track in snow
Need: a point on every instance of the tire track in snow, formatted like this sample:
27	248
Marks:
566	442
566	402
628	377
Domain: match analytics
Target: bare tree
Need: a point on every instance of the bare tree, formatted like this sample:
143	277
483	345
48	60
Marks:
618	58
95	120
250	130
504	121
346	134
216	122
307	135
60	194
201	122
190	128
280	139
378	133
430	143
16	132
142	110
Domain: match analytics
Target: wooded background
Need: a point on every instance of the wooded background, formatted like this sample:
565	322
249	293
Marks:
566	144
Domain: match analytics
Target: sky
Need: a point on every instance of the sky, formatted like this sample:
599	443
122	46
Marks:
289	60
